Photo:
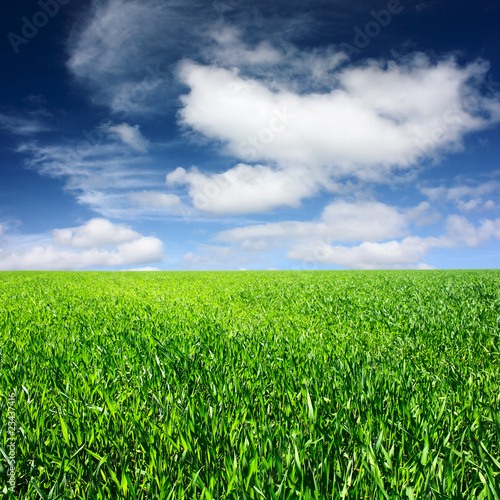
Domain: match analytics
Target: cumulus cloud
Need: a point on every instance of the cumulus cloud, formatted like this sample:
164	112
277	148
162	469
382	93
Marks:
368	255
340	221
130	135
366	120
376	117
381	235
96	244
406	253
245	188
96	233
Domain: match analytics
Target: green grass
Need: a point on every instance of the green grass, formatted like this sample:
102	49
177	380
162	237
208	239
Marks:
276	385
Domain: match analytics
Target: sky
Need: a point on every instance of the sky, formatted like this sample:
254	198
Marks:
238	134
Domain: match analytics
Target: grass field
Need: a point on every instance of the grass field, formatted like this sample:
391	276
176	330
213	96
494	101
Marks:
273	385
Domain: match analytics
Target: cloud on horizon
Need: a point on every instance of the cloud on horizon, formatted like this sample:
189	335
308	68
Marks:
234	129
95	244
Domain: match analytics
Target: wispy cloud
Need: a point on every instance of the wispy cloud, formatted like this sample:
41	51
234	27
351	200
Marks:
104	176
121	51
130	135
467	196
23	123
88	167
155	199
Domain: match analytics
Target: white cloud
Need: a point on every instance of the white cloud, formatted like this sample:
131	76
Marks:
98	243
462	233
367	120
365	125
368	255
340	221
88	166
363	221
376	227
406	253
245	188
130	135
97	233
466	197
142	251
155	199
112	36
107	204
231	51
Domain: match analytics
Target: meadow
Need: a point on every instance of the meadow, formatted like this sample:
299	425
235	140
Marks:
238	385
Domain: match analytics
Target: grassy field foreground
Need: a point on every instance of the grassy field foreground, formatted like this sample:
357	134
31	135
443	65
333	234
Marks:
239	385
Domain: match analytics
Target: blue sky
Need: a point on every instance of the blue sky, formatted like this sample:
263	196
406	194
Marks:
193	135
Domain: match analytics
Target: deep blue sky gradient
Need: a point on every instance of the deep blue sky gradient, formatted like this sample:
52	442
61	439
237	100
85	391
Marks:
70	112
